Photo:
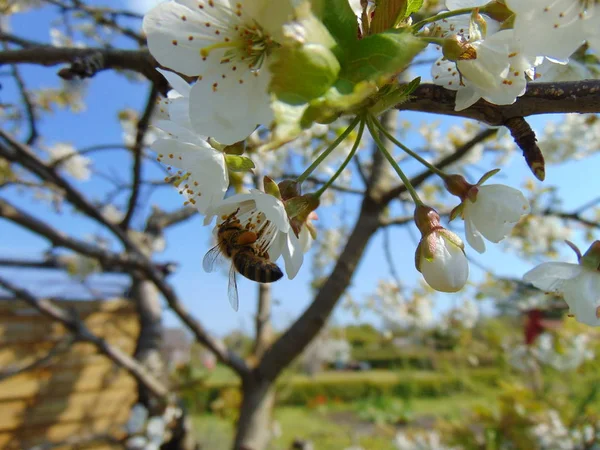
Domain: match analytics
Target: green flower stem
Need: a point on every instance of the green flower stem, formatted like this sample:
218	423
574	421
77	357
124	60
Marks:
409	187
426	163
457	12
328	150
323	188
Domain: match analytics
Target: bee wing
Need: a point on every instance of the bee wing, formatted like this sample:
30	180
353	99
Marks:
232	289
211	258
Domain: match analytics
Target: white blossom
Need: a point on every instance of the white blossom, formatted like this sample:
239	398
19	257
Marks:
265	215
555	28
225	45
203	177
579	286
493	214
66	158
442	261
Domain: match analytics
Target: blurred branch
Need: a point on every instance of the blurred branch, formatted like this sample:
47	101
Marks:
159	220
60	347
444	162
24	156
104	17
138	150
359	169
81	332
60	239
574	216
29	109
540	98
11	38
319	182
86	62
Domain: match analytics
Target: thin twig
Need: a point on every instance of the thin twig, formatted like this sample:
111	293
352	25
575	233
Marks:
138	150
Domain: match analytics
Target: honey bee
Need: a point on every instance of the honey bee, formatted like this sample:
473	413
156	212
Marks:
238	244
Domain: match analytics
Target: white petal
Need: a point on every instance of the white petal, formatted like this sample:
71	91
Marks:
582	294
177	83
231	111
293	255
465	97
168	37
448	271
474	237
550	276
272	208
208	178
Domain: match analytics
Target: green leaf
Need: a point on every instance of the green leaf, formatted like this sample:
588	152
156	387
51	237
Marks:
381	56
342	97
237	163
301	73
486	176
412	6
340	20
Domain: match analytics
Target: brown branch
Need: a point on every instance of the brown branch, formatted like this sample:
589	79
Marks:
540	98
29	108
25	156
57	238
574	216
138	151
81	332
86	62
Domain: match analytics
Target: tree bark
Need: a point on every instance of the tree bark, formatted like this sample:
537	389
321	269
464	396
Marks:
254	424
146	299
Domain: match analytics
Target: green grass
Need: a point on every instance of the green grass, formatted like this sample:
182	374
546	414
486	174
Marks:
337	426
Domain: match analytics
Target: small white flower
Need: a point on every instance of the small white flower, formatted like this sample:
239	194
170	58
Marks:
67	158
225	44
555	28
442	261
493	214
203	177
498	71
265	215
579	286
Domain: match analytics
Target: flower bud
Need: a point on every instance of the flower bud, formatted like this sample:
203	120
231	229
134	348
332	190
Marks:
440	255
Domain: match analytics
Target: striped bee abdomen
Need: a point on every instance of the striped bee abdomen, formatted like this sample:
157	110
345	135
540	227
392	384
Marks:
256	268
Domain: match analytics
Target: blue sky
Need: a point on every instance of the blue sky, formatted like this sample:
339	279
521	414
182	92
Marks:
206	294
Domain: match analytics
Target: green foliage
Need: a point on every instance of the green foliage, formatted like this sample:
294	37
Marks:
418	358
384	410
380	56
349	386
239	163
301	73
340	20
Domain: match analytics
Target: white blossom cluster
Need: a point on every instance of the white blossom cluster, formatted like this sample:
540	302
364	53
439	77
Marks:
551	433
561	353
149	432
574	137
235	81
66	158
485	57
426	440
